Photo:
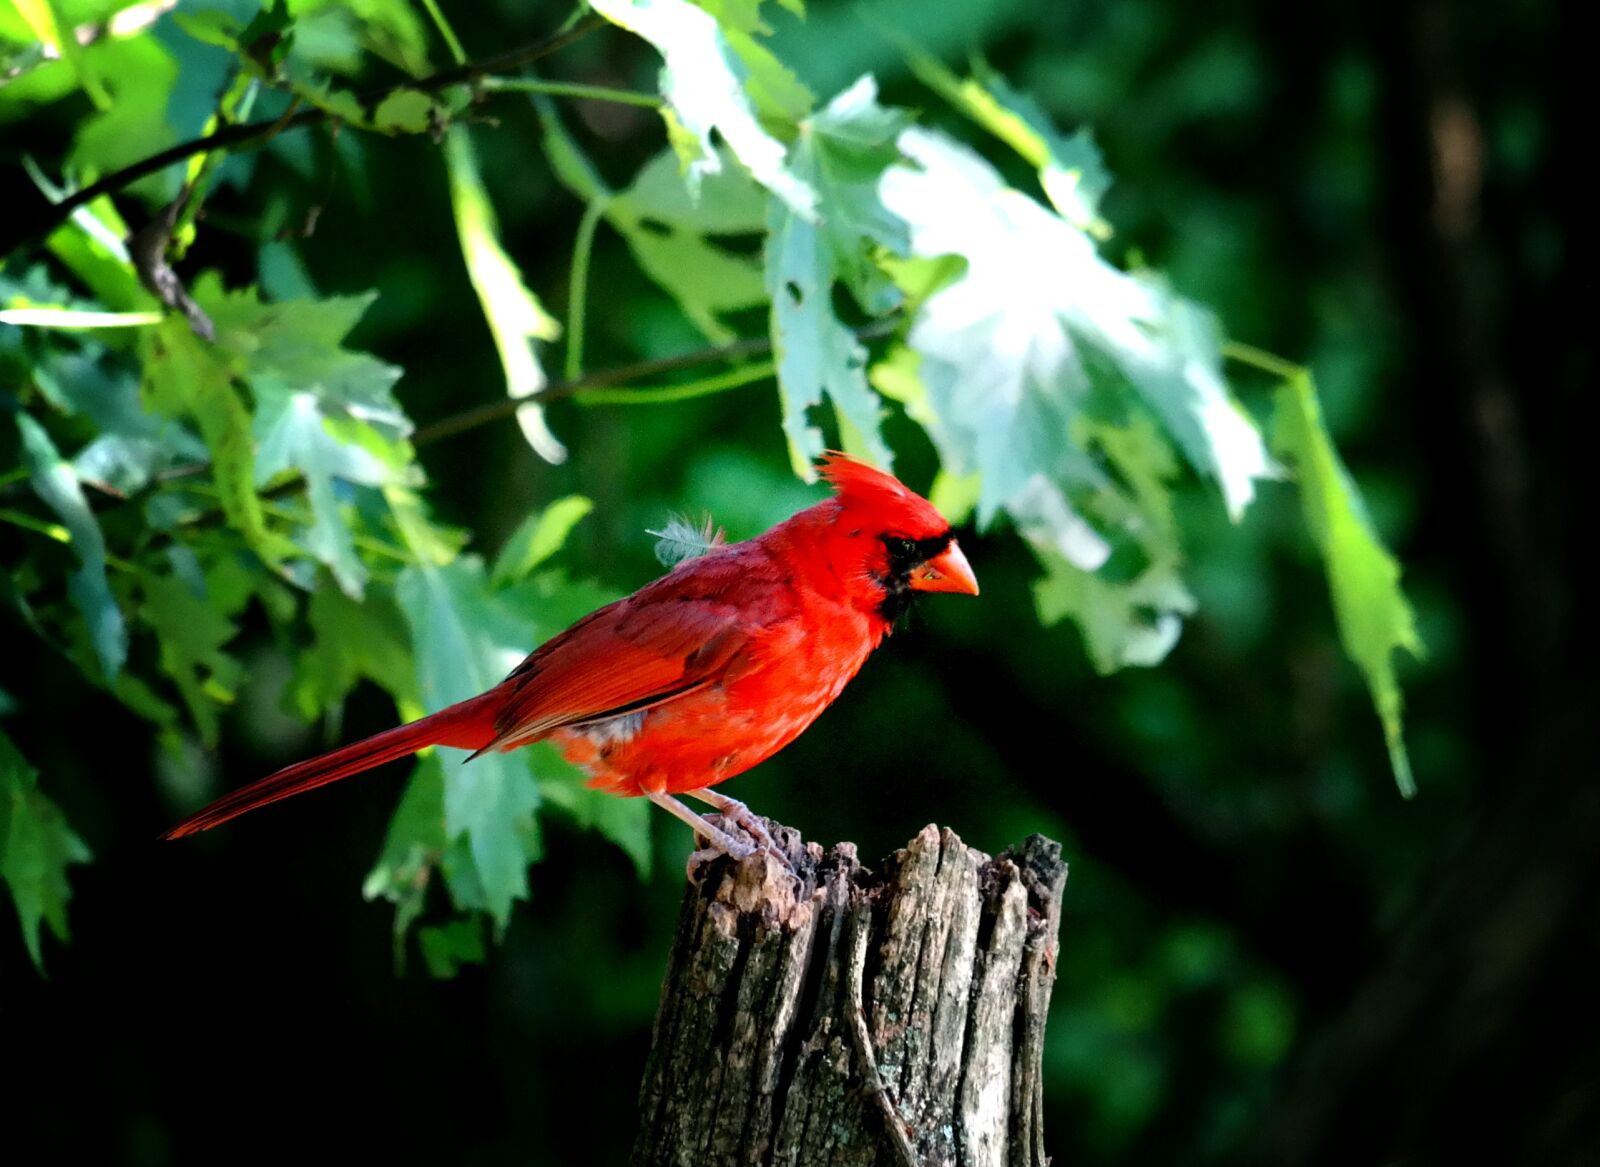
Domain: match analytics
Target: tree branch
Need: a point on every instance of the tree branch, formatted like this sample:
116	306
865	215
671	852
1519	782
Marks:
479	415
31	227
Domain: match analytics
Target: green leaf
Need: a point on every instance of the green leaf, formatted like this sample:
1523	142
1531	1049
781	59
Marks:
843	153
1012	347
322	410
666	222
1375	620
516	318
141	75
465	640
191	631
1122	624
446	947
353	640
726	201
301	343
412	849
55	30
56	484
211	27
185	377
293	435
405	111
537	538
1071	170
36	848
711	87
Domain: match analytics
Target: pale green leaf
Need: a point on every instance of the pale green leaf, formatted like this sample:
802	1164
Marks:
405	111
709	86
322	410
1122	624
465	640
515	316
57	485
74	319
293	435
537	538
1071	169
36	848
301	343
726	202
185	377
843	152
666	221
1375	620
351	641
1012	347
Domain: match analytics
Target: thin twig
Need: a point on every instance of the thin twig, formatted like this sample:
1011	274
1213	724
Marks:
491	411
861	1039
53	215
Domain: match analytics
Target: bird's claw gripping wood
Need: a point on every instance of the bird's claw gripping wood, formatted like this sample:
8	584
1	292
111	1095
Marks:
742	817
724	842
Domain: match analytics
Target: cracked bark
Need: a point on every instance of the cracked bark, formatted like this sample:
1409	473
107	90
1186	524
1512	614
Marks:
857	1018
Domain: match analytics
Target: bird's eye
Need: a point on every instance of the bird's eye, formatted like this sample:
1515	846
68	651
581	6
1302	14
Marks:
902	548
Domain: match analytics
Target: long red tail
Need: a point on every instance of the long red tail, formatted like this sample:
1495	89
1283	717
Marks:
467	726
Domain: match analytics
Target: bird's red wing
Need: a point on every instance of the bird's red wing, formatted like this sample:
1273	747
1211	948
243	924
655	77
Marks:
635	654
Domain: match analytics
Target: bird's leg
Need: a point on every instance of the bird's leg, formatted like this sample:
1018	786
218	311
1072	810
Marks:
720	839
740	816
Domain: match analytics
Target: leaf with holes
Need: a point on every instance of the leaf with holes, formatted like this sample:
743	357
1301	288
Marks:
843	153
709	87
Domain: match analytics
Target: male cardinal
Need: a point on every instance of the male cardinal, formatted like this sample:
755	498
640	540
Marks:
699	675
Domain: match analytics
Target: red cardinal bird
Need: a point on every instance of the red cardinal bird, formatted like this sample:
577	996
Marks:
699	675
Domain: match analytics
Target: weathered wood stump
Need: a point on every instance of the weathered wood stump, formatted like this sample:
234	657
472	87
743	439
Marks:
857	1018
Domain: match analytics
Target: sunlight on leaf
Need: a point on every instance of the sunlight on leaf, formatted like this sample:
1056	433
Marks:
1071	170
465	640
70	318
843	152
1010	348
537	538
516	318
708	86
1375	620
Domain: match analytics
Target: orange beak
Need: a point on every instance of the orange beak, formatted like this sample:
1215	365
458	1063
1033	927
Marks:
948	571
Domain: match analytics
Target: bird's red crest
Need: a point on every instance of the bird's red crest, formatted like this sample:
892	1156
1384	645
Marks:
866	488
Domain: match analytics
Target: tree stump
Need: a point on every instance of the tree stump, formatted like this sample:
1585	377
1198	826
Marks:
857	1018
